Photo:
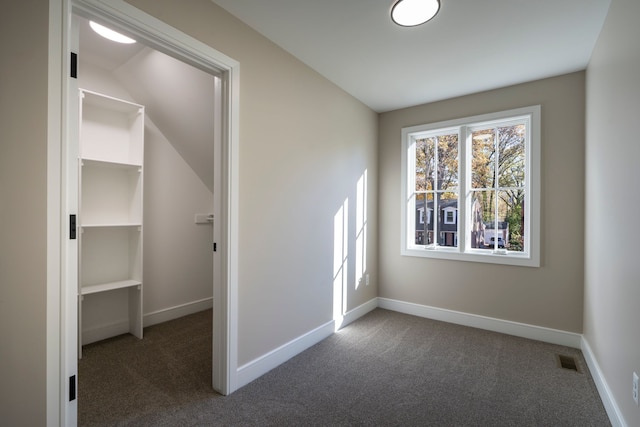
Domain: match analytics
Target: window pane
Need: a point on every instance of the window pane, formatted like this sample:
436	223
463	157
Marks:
424	219
476	224
483	160
447	219
511	208
502	232
425	163
431	219
448	162
482	232
421	219
511	156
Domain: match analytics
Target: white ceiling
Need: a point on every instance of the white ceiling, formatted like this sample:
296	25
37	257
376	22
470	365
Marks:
470	46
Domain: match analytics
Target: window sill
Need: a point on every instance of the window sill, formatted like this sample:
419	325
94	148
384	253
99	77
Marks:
490	257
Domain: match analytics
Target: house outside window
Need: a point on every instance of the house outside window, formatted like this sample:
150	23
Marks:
480	176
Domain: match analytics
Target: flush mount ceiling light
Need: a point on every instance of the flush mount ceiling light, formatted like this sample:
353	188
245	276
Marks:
108	33
409	13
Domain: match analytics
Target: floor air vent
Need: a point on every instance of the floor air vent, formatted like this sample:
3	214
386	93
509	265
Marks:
567	362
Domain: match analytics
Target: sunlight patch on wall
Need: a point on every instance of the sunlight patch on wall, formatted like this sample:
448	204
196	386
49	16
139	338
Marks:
340	258
361	229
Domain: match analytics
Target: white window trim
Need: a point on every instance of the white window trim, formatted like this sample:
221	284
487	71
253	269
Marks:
531	256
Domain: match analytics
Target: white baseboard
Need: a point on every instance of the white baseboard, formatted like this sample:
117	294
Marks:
269	361
553	336
274	358
102	332
263	364
175	312
358	312
610	405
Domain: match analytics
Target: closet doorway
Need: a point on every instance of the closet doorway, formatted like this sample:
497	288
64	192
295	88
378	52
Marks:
192	169
146	207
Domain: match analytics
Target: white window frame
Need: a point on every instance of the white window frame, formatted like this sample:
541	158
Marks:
530	256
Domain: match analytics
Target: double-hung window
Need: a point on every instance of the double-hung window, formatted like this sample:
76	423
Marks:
471	188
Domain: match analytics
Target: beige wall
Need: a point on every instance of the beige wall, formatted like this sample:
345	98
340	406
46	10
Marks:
549	296
304	144
612	271
23	197
178	258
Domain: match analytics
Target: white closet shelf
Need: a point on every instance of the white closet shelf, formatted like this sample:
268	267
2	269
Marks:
110	200
103	287
87	161
109	102
104	225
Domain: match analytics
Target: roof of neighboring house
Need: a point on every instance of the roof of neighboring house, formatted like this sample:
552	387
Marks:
502	225
443	204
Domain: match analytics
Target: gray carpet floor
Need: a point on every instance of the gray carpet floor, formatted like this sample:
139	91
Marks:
385	369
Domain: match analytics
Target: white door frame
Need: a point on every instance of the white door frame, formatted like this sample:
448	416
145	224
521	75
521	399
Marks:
61	286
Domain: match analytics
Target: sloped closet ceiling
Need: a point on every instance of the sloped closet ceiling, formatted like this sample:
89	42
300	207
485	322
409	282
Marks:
178	97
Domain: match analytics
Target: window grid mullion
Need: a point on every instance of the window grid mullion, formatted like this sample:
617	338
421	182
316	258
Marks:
411	184
436	205
462	182
496	148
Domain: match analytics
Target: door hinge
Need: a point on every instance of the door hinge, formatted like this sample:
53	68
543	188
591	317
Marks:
74	65
215	247
72	227
72	388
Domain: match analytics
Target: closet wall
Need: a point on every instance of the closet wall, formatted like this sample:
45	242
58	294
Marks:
178	262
